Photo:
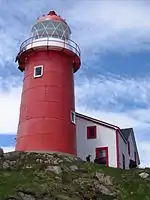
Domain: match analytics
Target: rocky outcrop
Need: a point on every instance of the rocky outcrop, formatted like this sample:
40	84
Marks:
144	175
54	176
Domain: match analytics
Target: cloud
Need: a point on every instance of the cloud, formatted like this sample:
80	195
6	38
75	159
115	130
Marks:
102	27
144	147
9	109
115	93
8	149
111	25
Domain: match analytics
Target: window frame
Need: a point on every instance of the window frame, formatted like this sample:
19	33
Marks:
73	114
123	161
129	150
94	133
35	67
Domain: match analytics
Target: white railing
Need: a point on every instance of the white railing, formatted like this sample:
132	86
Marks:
49	42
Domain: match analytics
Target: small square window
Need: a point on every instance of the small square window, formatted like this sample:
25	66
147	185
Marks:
73	117
38	71
91	132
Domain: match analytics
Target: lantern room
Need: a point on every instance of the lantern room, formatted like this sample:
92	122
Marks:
52	26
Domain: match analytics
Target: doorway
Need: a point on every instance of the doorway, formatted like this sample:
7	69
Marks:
102	155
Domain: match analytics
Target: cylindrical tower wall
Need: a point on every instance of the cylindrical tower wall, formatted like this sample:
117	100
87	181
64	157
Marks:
45	122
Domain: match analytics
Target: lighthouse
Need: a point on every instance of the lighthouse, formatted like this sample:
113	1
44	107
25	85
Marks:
48	59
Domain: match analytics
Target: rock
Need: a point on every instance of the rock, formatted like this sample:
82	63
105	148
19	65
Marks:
56	162
41	161
38	160
42	175
11	156
73	168
103	189
1	152
62	197
25	196
12	163
68	159
28	166
144	175
6	165
56	169
104	179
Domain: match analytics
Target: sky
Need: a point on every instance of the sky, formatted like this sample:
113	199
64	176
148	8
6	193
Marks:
113	83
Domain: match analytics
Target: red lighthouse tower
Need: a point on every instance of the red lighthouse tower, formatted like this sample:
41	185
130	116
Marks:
48	59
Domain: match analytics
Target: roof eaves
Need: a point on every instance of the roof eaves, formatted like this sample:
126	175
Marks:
97	121
124	138
101	123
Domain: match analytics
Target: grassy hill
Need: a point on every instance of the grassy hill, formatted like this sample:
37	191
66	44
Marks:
35	176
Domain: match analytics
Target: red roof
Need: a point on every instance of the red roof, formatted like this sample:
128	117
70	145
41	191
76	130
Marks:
51	16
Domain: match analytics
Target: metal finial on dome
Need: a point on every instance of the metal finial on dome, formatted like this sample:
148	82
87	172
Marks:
52	12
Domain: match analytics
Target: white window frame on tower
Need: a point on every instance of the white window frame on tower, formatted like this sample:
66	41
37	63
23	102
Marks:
73	117
40	75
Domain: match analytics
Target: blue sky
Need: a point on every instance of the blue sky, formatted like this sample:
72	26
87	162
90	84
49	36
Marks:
113	83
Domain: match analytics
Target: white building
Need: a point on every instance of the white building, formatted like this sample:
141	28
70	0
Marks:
108	143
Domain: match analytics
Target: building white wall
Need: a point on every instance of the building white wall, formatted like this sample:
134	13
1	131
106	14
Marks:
123	149
105	137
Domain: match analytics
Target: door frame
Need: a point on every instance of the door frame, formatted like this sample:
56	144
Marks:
107	157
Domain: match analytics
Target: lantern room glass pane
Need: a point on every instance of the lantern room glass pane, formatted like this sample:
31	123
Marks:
49	28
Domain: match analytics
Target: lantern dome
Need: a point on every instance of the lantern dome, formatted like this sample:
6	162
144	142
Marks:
51	25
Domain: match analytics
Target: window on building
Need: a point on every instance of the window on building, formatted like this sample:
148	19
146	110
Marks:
38	71
91	132
128	147
73	117
102	153
123	161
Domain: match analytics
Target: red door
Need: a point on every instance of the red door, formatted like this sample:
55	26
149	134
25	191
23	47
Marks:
102	155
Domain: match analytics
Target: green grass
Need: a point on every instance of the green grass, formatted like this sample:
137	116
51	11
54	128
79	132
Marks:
126	183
